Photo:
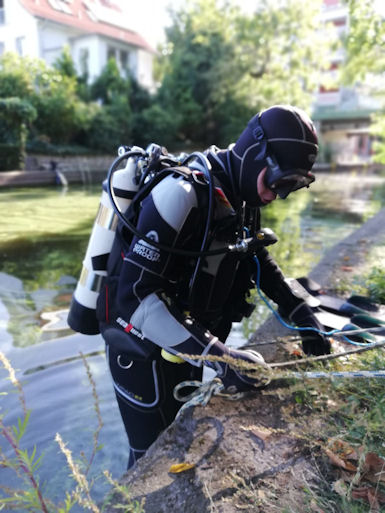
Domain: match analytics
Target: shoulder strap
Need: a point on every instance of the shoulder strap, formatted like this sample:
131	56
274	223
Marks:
145	190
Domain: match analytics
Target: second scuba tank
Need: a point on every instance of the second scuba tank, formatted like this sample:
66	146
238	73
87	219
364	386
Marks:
82	314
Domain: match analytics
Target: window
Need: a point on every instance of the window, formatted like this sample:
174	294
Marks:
121	57
123	60
2	48
2	15
84	56
20	44
111	53
61	5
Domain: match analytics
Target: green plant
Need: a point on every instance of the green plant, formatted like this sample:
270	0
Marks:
23	463
376	284
15	115
61	114
31	498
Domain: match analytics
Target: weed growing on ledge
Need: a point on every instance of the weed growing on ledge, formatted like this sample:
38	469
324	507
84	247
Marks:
30	496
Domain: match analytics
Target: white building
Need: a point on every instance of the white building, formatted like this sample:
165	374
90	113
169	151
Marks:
94	30
342	114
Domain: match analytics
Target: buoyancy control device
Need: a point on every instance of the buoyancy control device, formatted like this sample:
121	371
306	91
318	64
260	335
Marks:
143	169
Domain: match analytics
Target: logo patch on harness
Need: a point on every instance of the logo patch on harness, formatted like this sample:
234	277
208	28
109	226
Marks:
145	250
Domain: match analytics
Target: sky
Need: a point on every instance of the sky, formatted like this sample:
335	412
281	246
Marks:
149	17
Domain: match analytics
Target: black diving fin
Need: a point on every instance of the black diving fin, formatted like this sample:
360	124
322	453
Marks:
362	336
338	322
366	321
333	316
355	305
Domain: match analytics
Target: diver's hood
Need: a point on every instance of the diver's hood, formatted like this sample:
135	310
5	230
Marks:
285	134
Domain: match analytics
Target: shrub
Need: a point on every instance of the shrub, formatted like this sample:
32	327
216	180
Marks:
61	114
10	156
15	115
154	124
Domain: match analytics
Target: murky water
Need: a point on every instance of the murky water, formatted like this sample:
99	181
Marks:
43	234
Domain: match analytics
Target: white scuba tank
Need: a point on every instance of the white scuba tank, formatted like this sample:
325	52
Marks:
82	314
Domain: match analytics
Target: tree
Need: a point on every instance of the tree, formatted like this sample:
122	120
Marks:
221	65
365	42
365	61
65	64
15	115
109	84
198	83
61	115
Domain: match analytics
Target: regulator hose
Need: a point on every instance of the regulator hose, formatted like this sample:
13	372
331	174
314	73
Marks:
132	228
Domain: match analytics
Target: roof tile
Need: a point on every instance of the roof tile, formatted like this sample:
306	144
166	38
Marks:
79	14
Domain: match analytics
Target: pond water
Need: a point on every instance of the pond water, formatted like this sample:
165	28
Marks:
44	234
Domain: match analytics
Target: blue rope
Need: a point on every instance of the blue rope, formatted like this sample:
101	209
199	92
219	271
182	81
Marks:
296	328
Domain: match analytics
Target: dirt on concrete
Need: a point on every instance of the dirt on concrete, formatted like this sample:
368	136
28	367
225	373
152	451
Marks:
256	454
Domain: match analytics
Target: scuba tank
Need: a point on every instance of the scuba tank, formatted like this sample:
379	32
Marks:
143	169
125	183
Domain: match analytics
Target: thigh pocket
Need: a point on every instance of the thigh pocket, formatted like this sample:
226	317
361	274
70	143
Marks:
134	381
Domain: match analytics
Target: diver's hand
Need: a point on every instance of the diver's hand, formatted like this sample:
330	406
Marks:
234	378
313	343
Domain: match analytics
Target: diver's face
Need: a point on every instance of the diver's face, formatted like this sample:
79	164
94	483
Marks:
266	195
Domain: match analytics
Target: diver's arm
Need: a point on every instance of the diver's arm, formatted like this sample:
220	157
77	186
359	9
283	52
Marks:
168	215
145	284
273	284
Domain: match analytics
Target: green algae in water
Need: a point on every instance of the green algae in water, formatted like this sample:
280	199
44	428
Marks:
44	234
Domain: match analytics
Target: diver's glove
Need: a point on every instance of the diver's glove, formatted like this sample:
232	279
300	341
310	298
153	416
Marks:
234	380
313	343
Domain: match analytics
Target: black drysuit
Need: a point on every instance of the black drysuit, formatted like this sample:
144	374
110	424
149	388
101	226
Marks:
149	311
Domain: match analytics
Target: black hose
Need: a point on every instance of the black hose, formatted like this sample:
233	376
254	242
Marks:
135	231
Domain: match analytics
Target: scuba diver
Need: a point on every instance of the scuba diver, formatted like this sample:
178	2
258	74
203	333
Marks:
167	297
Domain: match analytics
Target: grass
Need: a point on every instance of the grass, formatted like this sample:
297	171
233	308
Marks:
352	412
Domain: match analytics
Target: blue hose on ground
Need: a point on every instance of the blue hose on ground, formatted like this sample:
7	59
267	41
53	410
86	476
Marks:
289	326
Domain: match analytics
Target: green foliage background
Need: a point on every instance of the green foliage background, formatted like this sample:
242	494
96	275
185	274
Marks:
217	68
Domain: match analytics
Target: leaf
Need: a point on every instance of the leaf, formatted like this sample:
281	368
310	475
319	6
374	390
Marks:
22	424
343	449
176	468
371	495
340	462
259	431
341	454
374	468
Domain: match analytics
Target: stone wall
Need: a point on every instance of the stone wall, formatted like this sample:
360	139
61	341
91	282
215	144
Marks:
52	169
68	164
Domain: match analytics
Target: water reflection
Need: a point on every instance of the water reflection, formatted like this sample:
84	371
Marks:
60	398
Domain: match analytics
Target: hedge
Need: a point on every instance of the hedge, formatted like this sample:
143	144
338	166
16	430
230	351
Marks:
14	116
10	156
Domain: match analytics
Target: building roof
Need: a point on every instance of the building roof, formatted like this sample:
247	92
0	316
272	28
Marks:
352	105
337	114
90	16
